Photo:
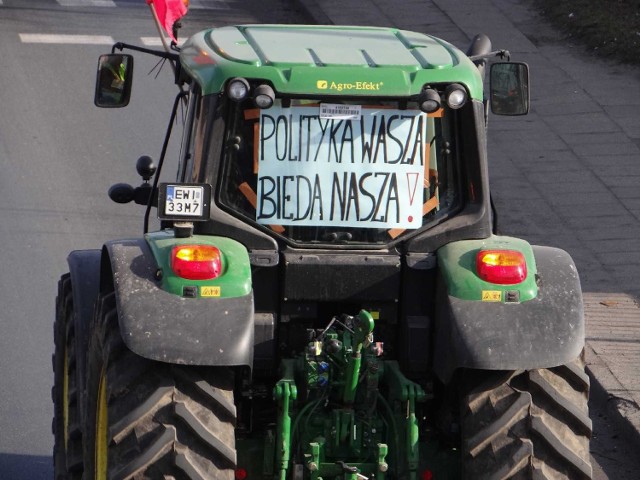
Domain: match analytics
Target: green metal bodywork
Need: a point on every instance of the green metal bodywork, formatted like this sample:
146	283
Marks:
457	262
327	60
235	280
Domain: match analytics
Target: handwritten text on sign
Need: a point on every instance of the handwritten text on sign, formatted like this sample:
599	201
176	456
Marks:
322	170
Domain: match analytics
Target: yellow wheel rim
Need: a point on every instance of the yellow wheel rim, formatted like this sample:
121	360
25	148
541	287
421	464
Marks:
65	398
101	453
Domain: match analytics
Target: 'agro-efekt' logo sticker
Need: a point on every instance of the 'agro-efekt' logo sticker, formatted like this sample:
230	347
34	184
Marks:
342	86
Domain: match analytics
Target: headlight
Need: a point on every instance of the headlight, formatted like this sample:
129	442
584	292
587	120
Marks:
456	96
238	89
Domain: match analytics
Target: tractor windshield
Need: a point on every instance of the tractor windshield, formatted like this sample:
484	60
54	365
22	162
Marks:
342	172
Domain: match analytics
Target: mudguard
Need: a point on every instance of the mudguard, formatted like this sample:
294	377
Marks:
160	325
542	332
84	268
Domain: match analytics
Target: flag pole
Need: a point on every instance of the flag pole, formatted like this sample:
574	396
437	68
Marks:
162	37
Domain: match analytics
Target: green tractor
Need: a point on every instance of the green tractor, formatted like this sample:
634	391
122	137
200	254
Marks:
326	296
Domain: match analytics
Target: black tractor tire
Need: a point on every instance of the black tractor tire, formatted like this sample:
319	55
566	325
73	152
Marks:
151	420
66	426
528	425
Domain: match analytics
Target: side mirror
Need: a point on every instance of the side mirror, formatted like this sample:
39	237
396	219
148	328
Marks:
509	88
113	83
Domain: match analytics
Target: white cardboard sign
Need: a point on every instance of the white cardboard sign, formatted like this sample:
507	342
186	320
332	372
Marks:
363	171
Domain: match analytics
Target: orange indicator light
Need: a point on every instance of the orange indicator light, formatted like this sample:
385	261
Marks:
196	262
502	267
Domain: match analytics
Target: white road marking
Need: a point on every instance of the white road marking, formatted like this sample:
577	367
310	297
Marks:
66	39
87	3
208	5
156	42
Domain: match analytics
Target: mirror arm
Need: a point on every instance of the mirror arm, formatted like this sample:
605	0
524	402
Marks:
496	53
121	46
156	179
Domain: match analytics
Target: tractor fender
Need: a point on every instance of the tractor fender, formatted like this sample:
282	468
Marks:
84	269
162	326
543	332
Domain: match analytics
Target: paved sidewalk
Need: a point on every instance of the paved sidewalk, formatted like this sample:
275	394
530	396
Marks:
566	175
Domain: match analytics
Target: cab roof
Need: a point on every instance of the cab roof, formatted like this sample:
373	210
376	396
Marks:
327	60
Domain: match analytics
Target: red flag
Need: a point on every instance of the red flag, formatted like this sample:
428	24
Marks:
169	12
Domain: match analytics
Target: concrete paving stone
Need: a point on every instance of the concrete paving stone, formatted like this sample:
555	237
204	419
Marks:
620	180
633	204
412	11
499	126
564	92
565	108
502	133
525	133
515	10
618	398
578	176
596	237
631	127
564	241
565	160
619	85
626	192
607	226
503	171
626	147
346	13
597	122
590	186
594	138
577	65
627	275
590	209
537	215
603	200
624	276
591	266
537	233
483	17
517	223
594	282
612	167
605	163
617	245
529	141
619	258
587	210
549	166
543	78
604	79
514	189
622	111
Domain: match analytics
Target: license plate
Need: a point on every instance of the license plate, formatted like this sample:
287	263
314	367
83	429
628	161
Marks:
185	201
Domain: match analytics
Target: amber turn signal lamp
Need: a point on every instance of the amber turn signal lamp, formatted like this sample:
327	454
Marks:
196	262
502	267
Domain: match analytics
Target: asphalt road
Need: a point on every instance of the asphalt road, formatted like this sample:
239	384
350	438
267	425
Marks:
58	157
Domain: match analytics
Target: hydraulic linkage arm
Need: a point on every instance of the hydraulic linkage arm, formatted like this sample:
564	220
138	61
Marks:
343	426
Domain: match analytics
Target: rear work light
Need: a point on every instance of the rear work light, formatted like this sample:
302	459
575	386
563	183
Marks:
502	267
196	262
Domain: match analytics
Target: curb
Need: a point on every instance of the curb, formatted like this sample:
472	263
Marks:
625	413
